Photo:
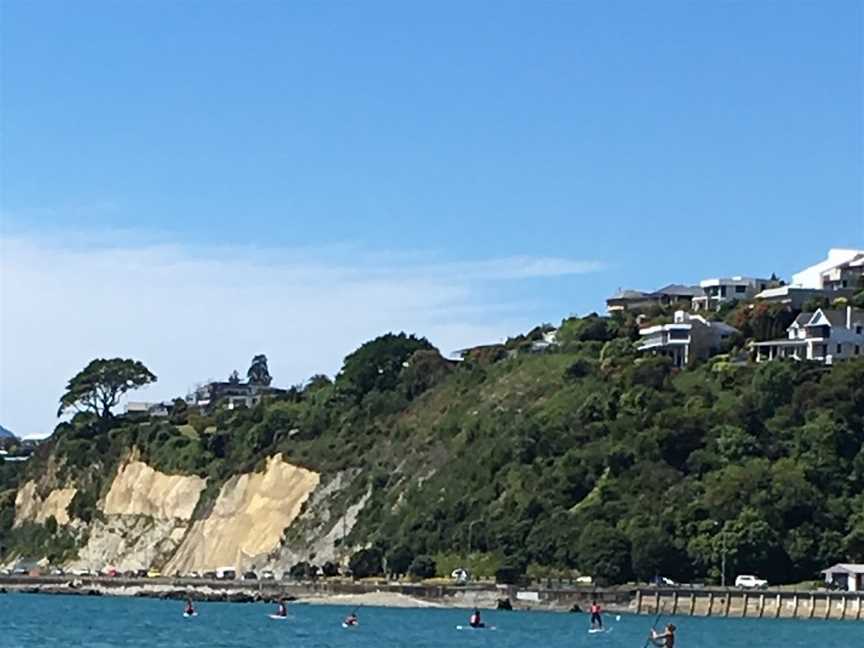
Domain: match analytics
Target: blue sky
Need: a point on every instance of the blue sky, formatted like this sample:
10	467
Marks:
465	169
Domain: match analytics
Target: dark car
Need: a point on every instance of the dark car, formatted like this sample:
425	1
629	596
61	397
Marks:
211	575
250	575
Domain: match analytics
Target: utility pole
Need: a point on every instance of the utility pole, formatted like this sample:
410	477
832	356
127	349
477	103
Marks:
723	560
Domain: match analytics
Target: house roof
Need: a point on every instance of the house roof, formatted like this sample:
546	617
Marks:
802	319
627	293
837	316
848	568
679	290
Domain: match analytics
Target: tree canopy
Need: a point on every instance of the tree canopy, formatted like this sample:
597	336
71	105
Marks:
258	374
98	387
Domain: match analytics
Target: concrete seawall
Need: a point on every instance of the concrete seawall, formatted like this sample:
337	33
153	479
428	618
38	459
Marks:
761	604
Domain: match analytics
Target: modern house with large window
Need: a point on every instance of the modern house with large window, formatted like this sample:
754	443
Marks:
726	289
826	335
687	337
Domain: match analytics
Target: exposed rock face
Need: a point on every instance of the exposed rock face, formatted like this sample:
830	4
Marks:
247	520
29	507
138	489
130	542
147	519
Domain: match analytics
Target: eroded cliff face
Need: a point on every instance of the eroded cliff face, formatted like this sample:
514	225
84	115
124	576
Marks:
138	489
30	507
247	520
145	516
146	519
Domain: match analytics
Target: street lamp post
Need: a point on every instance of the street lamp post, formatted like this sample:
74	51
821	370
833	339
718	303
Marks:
722	555
470	529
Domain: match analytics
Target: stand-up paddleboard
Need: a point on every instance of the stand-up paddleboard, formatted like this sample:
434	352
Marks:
468	627
278	617
350	625
187	615
599	630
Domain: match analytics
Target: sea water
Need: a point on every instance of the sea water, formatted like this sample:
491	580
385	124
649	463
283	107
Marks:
31	620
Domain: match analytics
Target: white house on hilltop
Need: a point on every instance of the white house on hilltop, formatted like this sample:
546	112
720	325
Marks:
826	335
726	289
688	336
831	271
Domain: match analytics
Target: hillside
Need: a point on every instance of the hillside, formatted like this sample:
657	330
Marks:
580	457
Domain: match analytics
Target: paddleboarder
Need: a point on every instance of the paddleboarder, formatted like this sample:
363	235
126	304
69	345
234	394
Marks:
666	639
596	616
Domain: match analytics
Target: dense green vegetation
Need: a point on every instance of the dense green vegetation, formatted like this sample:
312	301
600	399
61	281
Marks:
582	457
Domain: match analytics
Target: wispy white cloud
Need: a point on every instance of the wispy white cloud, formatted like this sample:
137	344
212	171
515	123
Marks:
195	313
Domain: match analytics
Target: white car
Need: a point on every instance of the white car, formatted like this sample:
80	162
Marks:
748	581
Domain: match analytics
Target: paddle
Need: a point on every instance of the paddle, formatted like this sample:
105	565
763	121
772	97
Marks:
653	627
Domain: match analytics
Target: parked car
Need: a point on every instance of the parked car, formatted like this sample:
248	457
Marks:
57	572
250	575
662	581
268	575
20	571
226	573
81	572
5	572
192	574
140	573
748	581
154	573
584	580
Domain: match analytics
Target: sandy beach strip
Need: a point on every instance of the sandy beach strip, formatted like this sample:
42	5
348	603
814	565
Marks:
381	599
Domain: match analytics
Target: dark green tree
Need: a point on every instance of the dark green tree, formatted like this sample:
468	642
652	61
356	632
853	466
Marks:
604	553
258	374
422	567
399	559
98	387
366	563
378	364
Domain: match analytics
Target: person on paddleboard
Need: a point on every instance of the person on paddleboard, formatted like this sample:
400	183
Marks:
474	620
596	618
351	619
282	611
665	640
190	609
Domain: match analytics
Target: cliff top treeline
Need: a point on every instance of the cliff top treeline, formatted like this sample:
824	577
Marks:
582	456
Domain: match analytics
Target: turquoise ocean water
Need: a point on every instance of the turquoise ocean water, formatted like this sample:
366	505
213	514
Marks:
28	620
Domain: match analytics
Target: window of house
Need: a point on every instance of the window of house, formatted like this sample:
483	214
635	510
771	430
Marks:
857	330
740	289
857	349
839	348
722	291
844	283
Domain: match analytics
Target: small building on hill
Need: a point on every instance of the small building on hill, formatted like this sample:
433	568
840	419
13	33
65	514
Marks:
845	576
688	337
723	290
233	394
636	300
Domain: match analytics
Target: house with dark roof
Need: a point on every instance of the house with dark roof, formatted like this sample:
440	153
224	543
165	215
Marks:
635	300
826	335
